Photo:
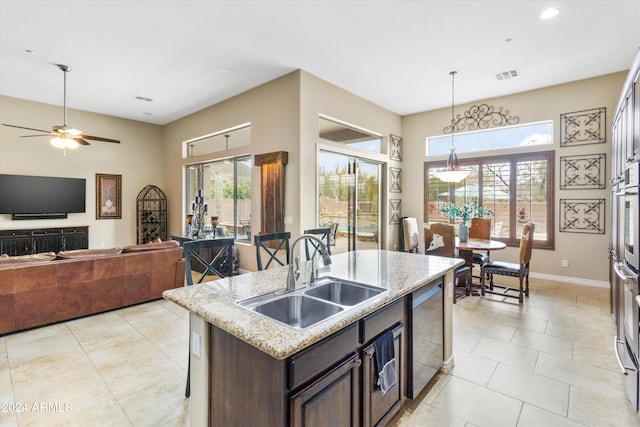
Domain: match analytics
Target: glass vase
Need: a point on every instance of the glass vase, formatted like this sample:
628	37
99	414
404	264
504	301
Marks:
463	232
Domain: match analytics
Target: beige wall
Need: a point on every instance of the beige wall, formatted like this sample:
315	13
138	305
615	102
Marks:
322	98
284	116
273	111
586	253
138	158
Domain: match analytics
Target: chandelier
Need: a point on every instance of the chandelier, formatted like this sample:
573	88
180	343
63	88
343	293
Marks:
452	173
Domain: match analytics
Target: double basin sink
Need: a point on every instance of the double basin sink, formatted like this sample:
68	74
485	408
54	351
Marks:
306	307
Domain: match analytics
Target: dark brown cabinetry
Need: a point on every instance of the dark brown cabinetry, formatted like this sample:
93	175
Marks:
326	384
33	241
332	400
376	408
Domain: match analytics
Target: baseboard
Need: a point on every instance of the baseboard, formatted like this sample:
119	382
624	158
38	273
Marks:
567	279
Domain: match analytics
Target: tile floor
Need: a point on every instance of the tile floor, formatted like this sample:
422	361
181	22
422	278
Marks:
546	363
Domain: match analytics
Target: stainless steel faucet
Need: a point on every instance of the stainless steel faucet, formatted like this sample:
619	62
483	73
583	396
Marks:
293	275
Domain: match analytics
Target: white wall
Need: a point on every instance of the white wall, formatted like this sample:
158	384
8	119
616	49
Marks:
138	158
586	253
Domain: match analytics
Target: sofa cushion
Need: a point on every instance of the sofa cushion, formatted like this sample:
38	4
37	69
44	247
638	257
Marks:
151	246
21	259
89	253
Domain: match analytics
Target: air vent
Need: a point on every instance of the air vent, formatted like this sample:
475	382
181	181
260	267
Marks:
506	75
143	98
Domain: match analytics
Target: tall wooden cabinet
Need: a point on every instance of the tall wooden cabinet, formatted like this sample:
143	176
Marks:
625	149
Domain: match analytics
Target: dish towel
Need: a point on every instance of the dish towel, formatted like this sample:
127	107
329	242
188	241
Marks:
385	361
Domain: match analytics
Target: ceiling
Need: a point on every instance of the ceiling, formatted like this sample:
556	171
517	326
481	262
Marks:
188	55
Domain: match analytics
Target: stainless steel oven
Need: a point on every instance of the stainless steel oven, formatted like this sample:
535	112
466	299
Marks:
631	216
627	346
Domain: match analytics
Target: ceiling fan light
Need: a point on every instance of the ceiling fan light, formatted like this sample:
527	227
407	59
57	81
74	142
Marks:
58	142
74	132
70	143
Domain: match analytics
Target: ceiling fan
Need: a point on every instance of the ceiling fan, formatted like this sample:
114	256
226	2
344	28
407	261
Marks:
64	136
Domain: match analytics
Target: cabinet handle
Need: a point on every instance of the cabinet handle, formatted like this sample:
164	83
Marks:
617	267
616	343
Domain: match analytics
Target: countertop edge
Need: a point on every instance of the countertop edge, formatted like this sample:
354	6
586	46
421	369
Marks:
209	301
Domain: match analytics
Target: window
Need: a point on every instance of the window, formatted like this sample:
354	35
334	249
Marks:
226	185
518	188
336	132
237	136
493	139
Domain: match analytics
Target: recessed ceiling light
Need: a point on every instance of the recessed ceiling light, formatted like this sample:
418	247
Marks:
224	71
146	113
30	52
549	13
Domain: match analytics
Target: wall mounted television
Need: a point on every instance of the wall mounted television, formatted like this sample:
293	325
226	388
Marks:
41	197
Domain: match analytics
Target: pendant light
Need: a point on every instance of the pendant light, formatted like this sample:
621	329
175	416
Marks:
452	173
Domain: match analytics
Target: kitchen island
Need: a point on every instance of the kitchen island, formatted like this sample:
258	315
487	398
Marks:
240	359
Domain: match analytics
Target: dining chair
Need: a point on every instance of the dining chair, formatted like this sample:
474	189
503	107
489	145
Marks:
270	244
216	258
311	247
520	270
334	234
440	240
409	235
480	229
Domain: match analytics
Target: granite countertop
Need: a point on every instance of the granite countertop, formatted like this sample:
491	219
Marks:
399	272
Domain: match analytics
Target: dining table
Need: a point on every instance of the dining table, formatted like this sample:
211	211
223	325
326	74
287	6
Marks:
466	249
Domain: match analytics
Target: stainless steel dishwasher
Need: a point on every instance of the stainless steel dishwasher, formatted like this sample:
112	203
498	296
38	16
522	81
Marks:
425	331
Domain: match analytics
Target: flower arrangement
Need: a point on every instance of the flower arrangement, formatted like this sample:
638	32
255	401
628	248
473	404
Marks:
465	212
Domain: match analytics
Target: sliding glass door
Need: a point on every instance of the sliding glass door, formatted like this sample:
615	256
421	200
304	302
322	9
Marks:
349	190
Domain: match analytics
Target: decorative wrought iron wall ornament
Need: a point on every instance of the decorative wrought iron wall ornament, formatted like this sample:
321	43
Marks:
582	216
395	211
395	180
583	127
481	116
583	172
395	150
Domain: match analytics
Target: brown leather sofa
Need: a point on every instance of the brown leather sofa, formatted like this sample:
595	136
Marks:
36	292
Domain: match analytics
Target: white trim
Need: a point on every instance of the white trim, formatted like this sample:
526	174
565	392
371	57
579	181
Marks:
447	365
567	279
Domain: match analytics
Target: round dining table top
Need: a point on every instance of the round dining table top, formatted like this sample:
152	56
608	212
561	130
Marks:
480	245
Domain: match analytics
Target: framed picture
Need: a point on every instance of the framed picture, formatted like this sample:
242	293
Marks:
108	196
